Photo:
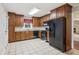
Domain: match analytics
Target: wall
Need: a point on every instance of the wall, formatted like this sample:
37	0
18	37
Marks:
3	29
75	16
76	25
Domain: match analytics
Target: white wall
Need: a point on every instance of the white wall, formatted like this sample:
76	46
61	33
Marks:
75	16
3	28
76	25
72	31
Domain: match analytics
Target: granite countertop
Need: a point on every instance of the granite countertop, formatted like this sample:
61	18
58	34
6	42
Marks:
20	29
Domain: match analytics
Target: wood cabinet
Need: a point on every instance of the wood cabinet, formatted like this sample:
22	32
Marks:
22	35
68	12
13	21
53	14
11	27
39	34
47	35
19	20
44	18
31	34
26	34
36	22
17	36
41	21
60	12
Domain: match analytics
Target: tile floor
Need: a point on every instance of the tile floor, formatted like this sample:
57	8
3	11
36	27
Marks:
31	47
73	52
76	41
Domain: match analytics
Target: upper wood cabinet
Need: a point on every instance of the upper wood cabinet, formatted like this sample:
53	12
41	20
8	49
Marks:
36	22
41	21
44	19
19	20
60	12
53	14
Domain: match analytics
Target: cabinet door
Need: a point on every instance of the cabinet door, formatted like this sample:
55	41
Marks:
19	20
22	35
11	27
41	21
39	34
44	18
11	36
36	22
47	35
60	12
48	17
30	34
53	14
17	36
27	35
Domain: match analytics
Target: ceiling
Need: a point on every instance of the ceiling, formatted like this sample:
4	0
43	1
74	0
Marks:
24	8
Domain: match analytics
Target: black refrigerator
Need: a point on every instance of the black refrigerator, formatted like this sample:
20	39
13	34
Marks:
57	33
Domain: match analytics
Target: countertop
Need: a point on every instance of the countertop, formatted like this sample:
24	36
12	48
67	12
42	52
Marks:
20	29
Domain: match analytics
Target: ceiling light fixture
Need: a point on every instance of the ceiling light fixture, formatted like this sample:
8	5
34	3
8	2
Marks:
34	11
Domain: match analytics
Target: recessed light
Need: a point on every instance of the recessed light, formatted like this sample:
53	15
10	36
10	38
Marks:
34	11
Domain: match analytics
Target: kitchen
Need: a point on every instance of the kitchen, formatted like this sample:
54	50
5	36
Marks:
23	29
47	27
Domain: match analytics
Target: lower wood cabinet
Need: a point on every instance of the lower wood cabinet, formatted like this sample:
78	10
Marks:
39	34
25	35
22	35
47	35
30	34
11	37
17	36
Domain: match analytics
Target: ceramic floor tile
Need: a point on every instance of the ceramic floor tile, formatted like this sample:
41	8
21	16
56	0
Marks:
32	47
